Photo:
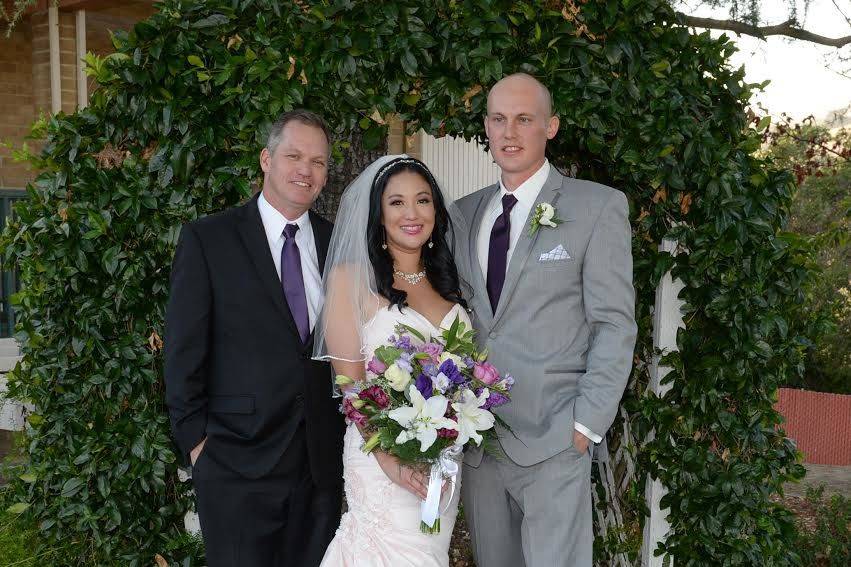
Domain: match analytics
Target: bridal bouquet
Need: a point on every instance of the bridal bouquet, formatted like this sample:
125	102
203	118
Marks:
424	400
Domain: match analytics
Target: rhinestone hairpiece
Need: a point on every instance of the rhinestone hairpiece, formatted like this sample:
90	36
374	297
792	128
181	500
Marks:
383	171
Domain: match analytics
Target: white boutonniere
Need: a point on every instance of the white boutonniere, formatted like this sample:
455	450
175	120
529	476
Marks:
545	215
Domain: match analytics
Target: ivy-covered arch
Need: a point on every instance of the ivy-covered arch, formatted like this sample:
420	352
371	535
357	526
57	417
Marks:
173	133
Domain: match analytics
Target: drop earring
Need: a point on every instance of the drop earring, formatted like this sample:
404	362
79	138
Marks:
384	244
431	243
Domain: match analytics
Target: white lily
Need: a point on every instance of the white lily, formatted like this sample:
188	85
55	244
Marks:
471	417
422	419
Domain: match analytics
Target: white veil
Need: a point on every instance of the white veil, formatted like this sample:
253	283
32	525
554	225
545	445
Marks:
351	293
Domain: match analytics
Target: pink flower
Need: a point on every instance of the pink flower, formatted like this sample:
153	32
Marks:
353	414
486	372
376	366
377	395
434	350
447	433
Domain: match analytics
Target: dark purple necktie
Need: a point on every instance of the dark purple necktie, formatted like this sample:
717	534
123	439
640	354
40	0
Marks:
498	250
293	281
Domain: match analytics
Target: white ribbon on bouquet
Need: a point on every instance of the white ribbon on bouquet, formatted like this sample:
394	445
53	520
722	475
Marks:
447	466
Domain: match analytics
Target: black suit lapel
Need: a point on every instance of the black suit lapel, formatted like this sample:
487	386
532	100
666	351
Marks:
254	239
321	237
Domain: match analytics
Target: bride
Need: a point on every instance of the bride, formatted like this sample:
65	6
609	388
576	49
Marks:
390	261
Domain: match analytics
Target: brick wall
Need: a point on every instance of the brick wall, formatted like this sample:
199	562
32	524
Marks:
819	423
25	71
17	110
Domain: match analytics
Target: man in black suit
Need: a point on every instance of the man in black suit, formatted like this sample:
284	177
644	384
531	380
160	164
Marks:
250	410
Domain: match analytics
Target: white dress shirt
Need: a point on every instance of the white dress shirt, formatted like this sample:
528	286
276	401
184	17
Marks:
274	223
526	194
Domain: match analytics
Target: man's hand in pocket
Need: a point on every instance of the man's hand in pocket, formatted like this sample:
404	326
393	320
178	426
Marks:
196	452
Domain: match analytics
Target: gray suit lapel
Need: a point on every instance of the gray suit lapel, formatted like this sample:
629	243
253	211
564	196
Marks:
549	193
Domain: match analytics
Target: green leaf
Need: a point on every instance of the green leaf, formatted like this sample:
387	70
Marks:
413	331
411	99
83	458
211	21
18	508
71	487
138	448
387	354
373	137
348	66
29	478
409	63
195	61
661	68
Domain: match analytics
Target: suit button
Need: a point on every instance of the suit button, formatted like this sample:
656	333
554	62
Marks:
299	399
492	334
305	356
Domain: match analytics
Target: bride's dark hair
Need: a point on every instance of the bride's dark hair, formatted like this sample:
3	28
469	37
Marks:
439	264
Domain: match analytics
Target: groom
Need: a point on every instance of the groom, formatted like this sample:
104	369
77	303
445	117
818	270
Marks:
556	310
249	408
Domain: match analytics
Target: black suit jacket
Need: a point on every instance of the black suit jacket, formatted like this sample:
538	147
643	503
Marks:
236	370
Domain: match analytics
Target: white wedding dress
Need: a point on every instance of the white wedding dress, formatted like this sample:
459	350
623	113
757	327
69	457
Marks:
382	525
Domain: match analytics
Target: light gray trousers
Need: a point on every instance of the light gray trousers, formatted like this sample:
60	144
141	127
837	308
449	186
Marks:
536	516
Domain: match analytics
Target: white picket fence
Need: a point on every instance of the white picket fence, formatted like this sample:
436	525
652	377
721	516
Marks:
12	413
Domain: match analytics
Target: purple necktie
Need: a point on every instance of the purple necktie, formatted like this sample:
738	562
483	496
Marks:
293	282
498	250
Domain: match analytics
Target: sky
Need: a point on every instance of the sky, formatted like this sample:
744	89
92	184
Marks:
801	83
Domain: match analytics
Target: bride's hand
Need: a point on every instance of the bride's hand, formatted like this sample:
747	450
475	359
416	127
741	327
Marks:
410	479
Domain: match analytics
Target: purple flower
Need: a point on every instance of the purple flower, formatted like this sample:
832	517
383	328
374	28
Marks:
451	371
469	362
429	369
423	384
376	366
403	342
404	362
495	399
508	381
440	382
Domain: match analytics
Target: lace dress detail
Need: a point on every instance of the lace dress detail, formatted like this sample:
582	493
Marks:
382	525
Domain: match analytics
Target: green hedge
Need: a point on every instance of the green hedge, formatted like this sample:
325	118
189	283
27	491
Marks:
172	134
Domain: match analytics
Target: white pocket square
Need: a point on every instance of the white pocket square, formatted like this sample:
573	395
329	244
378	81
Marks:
557	254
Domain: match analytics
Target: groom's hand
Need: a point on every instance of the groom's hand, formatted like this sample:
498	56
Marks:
194	453
580	442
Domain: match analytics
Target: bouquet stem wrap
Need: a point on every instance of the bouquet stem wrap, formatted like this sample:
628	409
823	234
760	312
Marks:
447	466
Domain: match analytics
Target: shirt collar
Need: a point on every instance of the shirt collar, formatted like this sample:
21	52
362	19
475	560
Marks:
274	222
527	192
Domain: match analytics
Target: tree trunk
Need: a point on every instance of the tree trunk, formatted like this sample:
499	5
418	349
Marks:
340	174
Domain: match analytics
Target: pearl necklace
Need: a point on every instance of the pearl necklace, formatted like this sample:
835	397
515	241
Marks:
412	279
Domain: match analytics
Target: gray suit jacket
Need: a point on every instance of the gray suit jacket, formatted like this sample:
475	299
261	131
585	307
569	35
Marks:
564	329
